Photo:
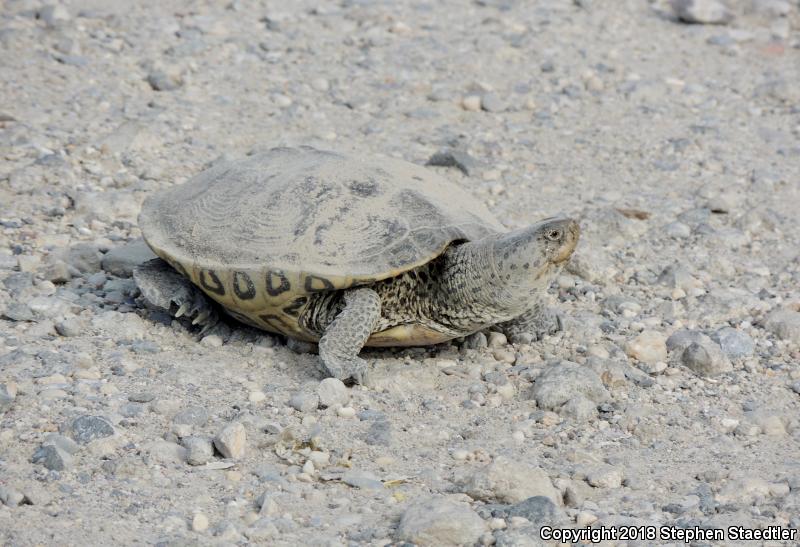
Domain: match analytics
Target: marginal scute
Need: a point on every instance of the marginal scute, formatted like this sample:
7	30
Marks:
277	283
293	309
315	283
215	285
243	286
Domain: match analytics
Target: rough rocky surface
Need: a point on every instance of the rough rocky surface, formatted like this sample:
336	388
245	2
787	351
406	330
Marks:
675	144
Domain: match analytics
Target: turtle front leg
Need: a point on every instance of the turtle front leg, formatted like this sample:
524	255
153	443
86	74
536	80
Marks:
537	322
168	290
348	332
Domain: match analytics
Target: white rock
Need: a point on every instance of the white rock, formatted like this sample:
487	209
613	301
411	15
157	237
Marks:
743	490
332	392
507	481
564	381
199	522
497	340
604	476
584	519
437	521
346	412
707	12
471	103
649	347
232	441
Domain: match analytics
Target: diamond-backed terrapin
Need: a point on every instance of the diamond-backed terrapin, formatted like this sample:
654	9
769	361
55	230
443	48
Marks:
348	252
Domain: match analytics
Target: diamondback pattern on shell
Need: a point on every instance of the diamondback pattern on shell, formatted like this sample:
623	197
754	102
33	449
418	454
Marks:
316	212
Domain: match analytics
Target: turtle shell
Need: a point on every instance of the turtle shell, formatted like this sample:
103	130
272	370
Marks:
260	234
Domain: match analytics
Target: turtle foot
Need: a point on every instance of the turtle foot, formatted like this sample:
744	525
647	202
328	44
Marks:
164	288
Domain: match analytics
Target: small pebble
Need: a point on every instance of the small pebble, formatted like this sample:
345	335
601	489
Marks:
471	103
199	450
332	392
649	347
304	401
89	428
346	412
231	441
199	522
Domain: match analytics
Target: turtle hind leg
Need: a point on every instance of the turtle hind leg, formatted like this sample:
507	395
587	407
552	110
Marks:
347	334
536	323
164	288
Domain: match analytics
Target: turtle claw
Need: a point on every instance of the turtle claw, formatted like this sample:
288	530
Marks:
201	317
182	310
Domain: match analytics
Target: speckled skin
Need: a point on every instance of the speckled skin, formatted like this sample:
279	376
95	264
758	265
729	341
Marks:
345	335
495	281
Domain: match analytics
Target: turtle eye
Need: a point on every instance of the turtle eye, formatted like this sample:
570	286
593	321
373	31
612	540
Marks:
554	235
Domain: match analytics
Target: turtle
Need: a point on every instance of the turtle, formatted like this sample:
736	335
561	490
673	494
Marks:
347	252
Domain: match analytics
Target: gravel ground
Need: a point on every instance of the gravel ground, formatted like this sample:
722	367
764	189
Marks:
670	400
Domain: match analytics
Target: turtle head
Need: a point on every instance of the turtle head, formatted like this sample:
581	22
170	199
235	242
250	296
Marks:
526	261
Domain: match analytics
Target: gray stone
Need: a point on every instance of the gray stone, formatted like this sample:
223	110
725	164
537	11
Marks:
526	536
231	441
304	401
507	481
537	509
363	480
437	521
785	324
84	257
491	102
704	12
165	452
161	80
10	496
706	359
379	433
131	410
604	476
796	387
56	271
560	382
579	408
146	397
678	230
86	429
475	341
53	458
8	392
18	282
682	339
199	450
332	392
54	15
120	261
678	277
193	415
64	443
454	158
18	311
72	326
735	344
